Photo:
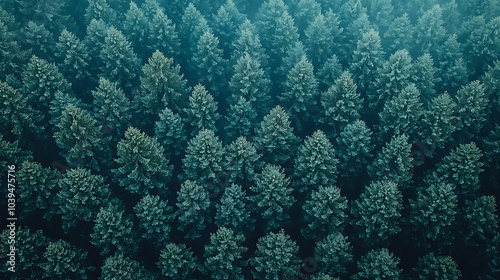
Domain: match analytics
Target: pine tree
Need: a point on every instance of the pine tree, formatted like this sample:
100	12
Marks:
177	261
439	121
94	42
275	257
275	138
431	266
378	264
73	56
325	212
424	76
39	40
58	105
80	196
366	61
120	62
315	164
341	102
377	212
402	113
399	34
162	34
241	161
170	133
334	254
353	32
429	30
142	167
10	153
113	231
193	202
482	221
223	255
472	102
354	148
329	72
194	24
491	81
11	55
248	41
380	13
233	210
63	260
135	26
119	266
202	110
304	12
273	196
101	10
241	118
226	21
155	218
321	276
209	63
451	66
320	33
394	162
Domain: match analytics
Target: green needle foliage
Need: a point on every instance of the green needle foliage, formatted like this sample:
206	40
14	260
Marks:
223	255
155	218
170	133
378	264
209	63
193	213
482	221
472	102
241	161
275	257
334	254
354	148
320	34
142	167
162	34
177	261
233	210
118	266
227	19
241	118
424	76
73	55
431	266
439	121
399	34
367	60
63	261
202	110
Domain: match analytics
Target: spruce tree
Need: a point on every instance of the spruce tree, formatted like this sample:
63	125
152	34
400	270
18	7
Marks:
481	220
378	264
223	255
424	76
193	213
399	34
451	66
439	121
304	12
334	254
241	161
194	24
241	118
355	148
209	63
226	21
135	26
320	35
73	56
155	218
431	266
329	72
177	261
248	41
119	266
142	166
101	10
94	42
366	61
162	34
63	260
11	55
202	110
170	133
10	153
429	30
472	102
39	40
233	210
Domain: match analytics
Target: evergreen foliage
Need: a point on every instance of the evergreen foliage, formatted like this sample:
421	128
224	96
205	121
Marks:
223	255
367	60
482	221
399	34
119	266
320	33
226	21
40	40
162	34
170	132
233	210
177	261
472	102
439	121
354	148
424	76
329	72
378	264
431	266
73	54
208	61
63	260
193	215
202	110
241	118
241	161
155	218
334	254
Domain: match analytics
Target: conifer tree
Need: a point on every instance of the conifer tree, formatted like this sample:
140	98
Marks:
341	102
315	164
73	55
119	266
273	196
209	63
63	260
472	102
155	218
94	41
241	118
394	162
248	41
321	276
399	34
101	10
80	139
226	21
402	113
481	220
366	60
334	254
451	66
329	72
377	212
293	54
39	40
10	153
162	34
202	110
275	138
325	212
170	133
491	81
223	255
320	35
429	30
193	202
204	159
380	13
113	231
439	121
304	12
378	264
424	76
177	261
275	257
120	62
354	148
233	210
194	24
59	103
142	167
135	26
241	161
431	266
80	196
353	32
11	55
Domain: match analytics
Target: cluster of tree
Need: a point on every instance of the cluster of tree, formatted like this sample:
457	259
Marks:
231	139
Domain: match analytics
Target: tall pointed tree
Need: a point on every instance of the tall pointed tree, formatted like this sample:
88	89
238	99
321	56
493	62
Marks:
193	209
241	161
155	218
73	55
439	121
334	254
233	210
209	63
355	148
202	110
63	260
177	261
399	35
170	133
378	264
366	60
162	35
223	255
241	118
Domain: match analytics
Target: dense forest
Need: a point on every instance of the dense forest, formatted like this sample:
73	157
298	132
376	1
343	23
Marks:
238	139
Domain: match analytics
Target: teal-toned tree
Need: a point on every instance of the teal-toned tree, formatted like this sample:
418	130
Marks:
394	162
59	102
80	138
273	196
275	257
367	60
113	231
424	76
320	35
193	203
353	32
193	24
399	34
204	160
170	133
62	260
38	40
111	108
162	35
341	103
275	138
334	254
73	56
380	13
378	264
492	252
94	41
377	212
325	212
241	118
491	81
177	261
329	71
451	66
155	218
472	103
304	12
119	266
120	63
439	121
241	160
202	110
29	247
432	222
293	54
223	255
80	196
431	266
226	21
150	7
135	26
142	166
355	148
101	10
248	41
315	163
209	63
429	30
233	210
402	113
481	220
322	276
491	148
11	54
11	153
